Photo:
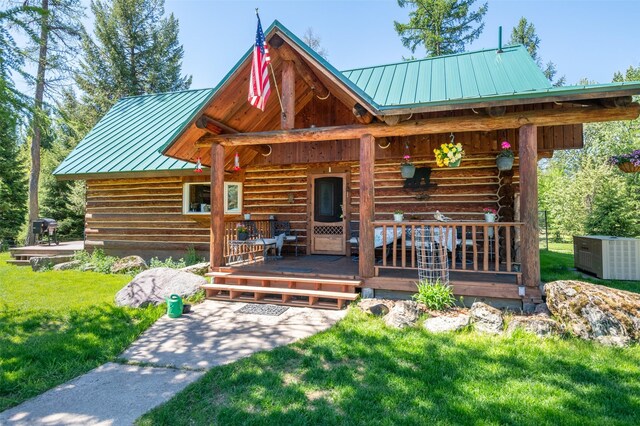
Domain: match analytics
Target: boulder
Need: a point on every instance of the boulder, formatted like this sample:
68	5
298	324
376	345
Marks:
74	264
129	264
154	285
539	325
486	319
377	307
595	312
198	268
404	313
542	309
46	262
446	323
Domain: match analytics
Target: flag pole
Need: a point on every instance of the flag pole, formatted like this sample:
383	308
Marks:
275	82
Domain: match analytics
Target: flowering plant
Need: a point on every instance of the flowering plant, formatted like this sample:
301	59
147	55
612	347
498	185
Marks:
448	154
406	159
633	158
240	228
505	150
489	210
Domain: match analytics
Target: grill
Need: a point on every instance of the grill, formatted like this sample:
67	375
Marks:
45	227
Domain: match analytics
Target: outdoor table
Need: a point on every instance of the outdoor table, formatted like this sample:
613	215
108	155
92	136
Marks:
237	255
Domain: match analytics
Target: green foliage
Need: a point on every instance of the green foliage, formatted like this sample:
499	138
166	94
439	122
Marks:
134	50
192	257
442	27
361	373
167	263
96	261
55	326
437	296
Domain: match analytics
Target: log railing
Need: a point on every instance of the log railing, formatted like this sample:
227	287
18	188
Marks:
255	228
478	247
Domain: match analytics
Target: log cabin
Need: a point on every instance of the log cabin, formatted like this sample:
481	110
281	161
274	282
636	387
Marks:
324	157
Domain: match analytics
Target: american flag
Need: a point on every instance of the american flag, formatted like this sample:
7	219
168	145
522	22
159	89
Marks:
259	88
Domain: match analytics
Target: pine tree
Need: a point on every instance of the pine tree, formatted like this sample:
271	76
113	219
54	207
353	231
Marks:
442	27
525	33
133	51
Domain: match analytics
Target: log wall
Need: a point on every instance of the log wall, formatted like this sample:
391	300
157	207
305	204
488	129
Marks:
144	216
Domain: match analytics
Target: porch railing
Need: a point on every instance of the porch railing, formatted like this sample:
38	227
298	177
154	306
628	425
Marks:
478	247
256	229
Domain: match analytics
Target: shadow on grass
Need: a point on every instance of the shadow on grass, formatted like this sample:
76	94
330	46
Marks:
361	372
559	266
41	349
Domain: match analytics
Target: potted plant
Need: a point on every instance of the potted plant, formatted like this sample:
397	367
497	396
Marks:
490	214
504	160
449	154
242	232
628	163
247	216
398	216
407	169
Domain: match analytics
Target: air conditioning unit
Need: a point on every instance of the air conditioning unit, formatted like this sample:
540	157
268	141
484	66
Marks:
609	258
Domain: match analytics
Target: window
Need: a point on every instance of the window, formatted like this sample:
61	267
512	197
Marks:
197	198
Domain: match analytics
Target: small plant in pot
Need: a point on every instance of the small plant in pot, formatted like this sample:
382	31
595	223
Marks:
449	154
504	160
407	169
242	232
398	216
490	214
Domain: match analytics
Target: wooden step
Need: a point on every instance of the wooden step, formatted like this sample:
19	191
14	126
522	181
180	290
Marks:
265	295
285	278
18	262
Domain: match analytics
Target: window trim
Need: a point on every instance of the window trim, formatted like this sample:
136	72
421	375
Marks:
240	197
186	191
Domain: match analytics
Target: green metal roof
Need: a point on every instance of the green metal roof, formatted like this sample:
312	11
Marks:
130	135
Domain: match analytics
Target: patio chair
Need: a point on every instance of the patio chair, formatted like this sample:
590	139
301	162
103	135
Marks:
290	236
354	239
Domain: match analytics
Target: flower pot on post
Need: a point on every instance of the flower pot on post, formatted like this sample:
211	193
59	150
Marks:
242	236
398	216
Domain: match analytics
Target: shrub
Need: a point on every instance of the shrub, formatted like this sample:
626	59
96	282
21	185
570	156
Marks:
435	295
96	260
192	257
167	263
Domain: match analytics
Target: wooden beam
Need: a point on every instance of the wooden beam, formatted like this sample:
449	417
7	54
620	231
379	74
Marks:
362	115
468	123
216	237
530	250
288	54
366	246
215	127
288	116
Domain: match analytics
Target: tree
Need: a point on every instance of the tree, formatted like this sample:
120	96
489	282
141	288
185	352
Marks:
58	25
442	27
133	51
314	41
525	33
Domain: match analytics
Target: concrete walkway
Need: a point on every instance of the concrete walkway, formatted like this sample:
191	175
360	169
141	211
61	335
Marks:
174	352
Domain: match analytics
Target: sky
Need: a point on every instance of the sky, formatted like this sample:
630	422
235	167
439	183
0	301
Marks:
584	38
587	38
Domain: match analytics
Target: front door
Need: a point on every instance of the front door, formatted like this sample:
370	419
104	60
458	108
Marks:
327	224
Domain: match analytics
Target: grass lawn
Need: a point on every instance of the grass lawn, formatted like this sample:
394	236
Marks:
55	326
362	372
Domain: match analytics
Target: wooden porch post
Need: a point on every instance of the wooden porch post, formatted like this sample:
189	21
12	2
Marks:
366	245
216	238
530	250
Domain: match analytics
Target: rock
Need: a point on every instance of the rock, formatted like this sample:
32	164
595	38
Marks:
539	325
485	318
528	308
594	312
404	313
129	264
74	264
88	267
542	309
153	285
377	307
446	323
46	262
198	268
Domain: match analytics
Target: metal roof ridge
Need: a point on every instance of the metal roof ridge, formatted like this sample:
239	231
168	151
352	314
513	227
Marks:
494	49
175	92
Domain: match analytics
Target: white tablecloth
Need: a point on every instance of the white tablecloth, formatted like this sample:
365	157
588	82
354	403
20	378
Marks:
441	235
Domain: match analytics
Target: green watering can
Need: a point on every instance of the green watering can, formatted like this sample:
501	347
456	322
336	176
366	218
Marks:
174	306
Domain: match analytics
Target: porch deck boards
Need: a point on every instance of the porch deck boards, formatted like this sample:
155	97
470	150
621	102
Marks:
21	255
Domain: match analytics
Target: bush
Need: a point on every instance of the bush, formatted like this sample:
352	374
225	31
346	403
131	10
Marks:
435	295
96	260
167	263
192	257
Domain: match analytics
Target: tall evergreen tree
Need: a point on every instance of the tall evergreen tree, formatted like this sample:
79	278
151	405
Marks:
442	27
134	50
525	33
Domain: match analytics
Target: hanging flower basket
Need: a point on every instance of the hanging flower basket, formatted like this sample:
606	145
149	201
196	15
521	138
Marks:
504	160
407	171
455	163
449	154
629	168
